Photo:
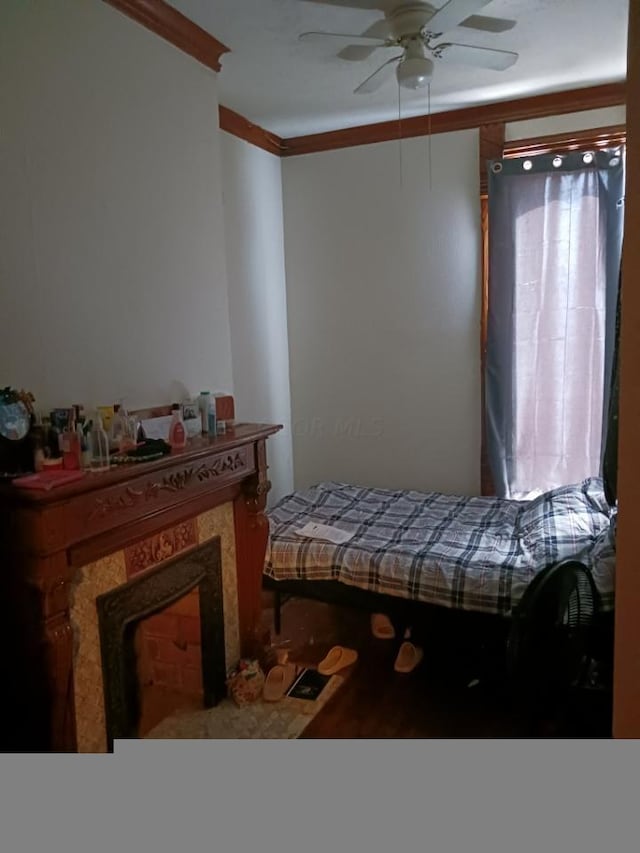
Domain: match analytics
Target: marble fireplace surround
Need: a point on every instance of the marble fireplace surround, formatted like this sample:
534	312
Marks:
75	542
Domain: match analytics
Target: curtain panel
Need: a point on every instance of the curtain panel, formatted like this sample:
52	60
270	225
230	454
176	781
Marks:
555	235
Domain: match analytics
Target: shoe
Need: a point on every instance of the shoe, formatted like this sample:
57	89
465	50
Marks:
336	659
279	679
409	656
381	627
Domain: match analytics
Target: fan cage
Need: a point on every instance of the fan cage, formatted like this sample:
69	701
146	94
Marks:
550	644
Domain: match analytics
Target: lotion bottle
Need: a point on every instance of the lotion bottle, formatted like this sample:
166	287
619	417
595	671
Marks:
177	429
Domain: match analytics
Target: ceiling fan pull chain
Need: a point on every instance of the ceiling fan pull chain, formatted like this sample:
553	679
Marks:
400	131
429	131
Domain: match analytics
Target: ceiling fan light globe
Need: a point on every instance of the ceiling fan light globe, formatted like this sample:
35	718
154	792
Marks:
415	72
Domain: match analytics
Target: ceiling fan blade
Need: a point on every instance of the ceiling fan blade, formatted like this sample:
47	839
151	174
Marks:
356	53
375	80
482	57
452	14
356	40
382	5
489	25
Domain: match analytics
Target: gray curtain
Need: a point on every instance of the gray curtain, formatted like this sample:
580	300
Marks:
555	236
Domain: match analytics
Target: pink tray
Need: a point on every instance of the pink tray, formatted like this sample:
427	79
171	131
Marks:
46	480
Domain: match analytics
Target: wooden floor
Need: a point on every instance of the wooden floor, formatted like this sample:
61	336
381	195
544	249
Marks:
376	702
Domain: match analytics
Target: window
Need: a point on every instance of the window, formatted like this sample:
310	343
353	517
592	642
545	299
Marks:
555	217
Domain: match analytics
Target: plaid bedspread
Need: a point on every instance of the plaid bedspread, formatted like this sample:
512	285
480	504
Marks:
469	553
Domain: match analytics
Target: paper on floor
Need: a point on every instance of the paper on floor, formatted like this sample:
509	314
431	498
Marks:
313	530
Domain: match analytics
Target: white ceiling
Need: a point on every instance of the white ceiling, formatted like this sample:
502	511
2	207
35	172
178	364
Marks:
294	88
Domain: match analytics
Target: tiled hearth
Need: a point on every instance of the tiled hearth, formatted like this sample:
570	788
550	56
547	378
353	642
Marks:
110	572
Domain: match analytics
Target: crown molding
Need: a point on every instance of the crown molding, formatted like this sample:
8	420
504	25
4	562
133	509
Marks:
537	106
171	25
239	126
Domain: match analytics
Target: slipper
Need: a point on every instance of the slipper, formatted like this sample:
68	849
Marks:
279	679
381	627
409	656
336	659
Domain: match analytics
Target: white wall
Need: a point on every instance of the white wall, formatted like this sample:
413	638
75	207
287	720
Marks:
383	291
112	255
257	297
568	123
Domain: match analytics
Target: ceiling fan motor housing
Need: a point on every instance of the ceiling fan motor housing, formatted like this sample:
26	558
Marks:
416	69
410	19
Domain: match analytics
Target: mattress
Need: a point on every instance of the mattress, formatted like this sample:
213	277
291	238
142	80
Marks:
468	553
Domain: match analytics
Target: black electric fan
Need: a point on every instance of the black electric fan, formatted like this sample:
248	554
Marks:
550	650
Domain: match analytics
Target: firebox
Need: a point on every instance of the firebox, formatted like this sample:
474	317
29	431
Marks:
120	611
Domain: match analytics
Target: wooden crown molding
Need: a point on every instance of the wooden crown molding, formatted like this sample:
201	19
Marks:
537	106
601	137
165	21
162	19
241	127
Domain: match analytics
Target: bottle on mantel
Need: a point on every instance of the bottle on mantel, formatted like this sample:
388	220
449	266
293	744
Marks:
177	429
123	428
99	445
71	453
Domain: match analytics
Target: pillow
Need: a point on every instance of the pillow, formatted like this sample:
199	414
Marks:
601	559
576	511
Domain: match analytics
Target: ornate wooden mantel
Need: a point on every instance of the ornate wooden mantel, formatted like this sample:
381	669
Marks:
49	535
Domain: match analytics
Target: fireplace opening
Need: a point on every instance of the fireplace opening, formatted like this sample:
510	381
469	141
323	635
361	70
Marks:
169	661
162	642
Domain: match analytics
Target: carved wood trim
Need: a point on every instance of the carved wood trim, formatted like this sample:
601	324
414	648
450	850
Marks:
537	106
50	582
171	25
125	535
178	481
238	125
148	552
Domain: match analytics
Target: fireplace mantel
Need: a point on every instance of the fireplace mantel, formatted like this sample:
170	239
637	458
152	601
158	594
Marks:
50	535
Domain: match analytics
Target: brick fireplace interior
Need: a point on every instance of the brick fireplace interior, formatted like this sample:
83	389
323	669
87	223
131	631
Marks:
169	661
155	590
161	597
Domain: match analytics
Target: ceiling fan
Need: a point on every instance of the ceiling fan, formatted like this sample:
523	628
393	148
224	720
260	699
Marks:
417	28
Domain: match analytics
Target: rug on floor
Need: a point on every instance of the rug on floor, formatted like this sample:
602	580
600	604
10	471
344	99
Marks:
283	720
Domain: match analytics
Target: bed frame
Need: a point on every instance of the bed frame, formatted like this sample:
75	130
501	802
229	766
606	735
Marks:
472	640
469	643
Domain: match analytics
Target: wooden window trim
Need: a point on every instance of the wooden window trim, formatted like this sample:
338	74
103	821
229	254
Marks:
601	137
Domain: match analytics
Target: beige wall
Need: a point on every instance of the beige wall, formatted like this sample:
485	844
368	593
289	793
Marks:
252	182
383	297
112	257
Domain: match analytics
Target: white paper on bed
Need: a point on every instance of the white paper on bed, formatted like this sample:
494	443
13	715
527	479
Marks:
312	530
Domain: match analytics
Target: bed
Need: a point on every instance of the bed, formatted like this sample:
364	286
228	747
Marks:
476	555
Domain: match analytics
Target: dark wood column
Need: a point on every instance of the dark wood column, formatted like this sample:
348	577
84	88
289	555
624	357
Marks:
491	148
252	530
